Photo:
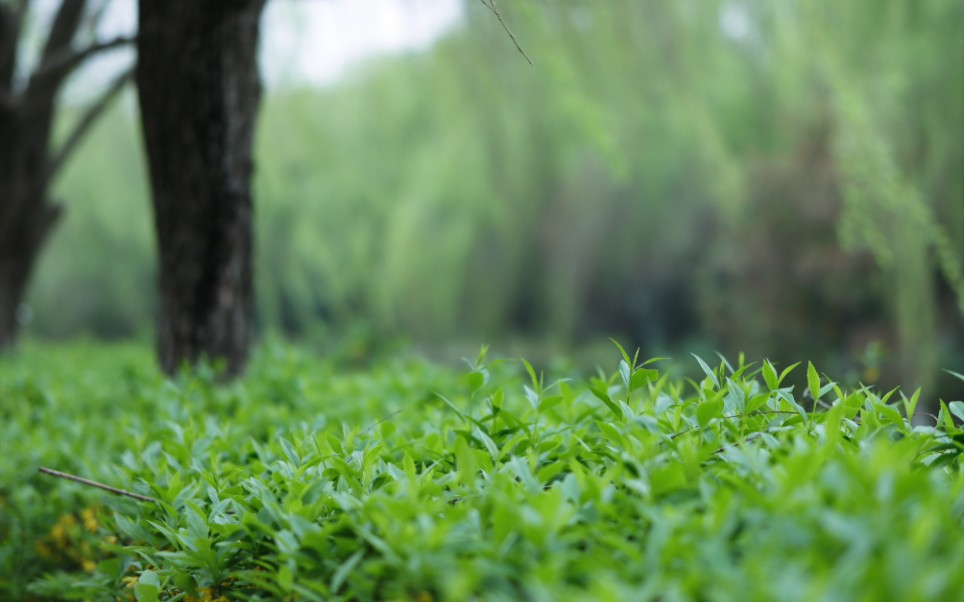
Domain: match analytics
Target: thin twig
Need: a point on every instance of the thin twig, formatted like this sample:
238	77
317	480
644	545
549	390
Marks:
389	417
749	438
490	4
83	481
728	416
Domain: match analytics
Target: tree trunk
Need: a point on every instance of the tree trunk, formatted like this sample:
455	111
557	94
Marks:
199	90
26	216
20	248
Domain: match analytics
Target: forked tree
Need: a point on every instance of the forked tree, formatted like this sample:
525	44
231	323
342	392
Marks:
29	162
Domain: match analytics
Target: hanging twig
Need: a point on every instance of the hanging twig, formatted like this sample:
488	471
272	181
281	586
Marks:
490	4
83	481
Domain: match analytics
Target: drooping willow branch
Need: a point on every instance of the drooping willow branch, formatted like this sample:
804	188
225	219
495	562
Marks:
490	4
83	481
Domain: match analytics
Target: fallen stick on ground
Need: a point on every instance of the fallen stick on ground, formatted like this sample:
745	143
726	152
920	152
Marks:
83	481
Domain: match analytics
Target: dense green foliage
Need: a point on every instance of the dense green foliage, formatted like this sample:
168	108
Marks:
309	480
776	178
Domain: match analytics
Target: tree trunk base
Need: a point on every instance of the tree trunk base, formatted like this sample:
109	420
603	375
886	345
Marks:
199	90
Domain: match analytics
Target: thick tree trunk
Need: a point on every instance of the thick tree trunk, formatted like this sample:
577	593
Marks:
199	90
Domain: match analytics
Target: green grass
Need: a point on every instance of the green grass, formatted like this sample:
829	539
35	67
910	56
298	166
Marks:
407	480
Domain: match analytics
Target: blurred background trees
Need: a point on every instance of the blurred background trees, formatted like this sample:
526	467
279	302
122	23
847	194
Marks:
783	179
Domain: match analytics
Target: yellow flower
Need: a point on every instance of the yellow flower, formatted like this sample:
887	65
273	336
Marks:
89	516
130	581
89	565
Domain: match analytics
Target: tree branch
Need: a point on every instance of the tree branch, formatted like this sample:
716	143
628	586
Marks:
10	20
62	63
83	481
64	27
86	122
42	88
490	4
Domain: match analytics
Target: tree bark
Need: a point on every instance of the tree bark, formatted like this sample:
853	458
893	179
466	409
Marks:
199	90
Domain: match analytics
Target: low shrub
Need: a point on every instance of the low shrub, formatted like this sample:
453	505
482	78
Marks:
411	481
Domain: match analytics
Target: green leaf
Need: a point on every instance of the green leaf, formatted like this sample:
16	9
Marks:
770	375
483	351
786	371
149	578
945	416
626	373
724	361
604	397
622	351
487	441
910	405
957	408
536	381
813	381
708	410
496	400
653	360
476	380
148	587
756	402
345	569
667	478
408	467
706	369
641	377
290	452
550	402
957	375
465	460
335	444
285	578
196	521
611	433
891	415
465	417
532	397
793	404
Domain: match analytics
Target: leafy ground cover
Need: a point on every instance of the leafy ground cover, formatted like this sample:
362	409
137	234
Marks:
410	481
